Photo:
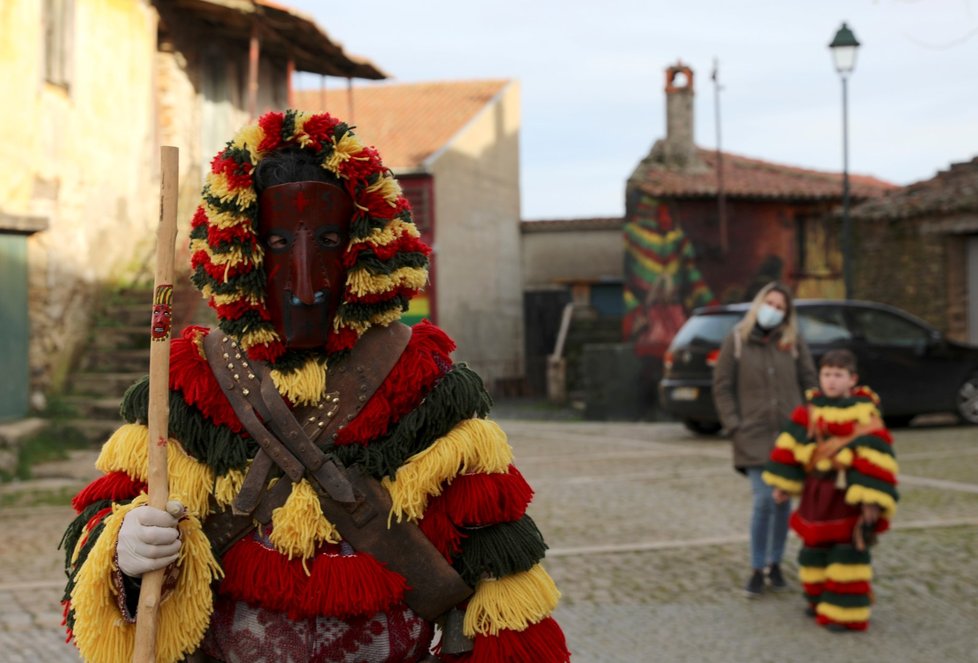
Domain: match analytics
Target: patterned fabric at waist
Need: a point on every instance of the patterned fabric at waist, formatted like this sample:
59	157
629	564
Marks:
240	633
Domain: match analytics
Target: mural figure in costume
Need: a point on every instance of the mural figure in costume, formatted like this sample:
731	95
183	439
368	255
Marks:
344	495
662	282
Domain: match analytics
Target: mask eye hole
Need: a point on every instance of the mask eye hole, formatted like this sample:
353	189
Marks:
278	240
327	238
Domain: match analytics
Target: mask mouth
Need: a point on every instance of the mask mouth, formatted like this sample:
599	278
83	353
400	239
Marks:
318	297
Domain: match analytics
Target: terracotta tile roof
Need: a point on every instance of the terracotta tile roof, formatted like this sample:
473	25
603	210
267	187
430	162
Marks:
744	177
406	122
951	191
560	225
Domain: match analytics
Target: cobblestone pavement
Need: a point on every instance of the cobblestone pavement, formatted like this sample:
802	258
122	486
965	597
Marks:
647	527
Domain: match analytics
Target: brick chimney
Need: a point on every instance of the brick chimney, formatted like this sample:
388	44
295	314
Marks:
678	147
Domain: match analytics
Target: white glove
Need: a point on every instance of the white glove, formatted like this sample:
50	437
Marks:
149	539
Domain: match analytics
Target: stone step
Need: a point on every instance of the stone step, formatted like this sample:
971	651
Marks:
105	384
123	337
133	315
89	407
95	431
115	360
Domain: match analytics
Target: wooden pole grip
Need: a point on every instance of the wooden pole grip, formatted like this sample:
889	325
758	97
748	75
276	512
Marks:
159	393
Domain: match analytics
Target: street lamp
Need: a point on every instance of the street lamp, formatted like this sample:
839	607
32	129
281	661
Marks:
843	48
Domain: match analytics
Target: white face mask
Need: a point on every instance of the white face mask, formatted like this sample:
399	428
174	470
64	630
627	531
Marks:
769	317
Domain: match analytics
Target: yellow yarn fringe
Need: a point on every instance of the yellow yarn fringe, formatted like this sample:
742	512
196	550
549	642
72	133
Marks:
257	337
236	297
184	613
227	487
777	481
474	446
127	451
250	138
230	258
218	187
811	574
786	441
388	187
824	465
223	219
843	615
849	572
299	526
513	602
362	282
857	494
879	459
304	386
392	232
382	319
858	412
843	457
803	453
347	146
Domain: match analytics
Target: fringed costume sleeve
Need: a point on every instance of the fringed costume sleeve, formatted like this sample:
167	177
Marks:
471	502
785	469
95	615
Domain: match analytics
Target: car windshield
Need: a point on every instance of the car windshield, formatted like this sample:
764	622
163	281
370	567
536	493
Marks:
705	330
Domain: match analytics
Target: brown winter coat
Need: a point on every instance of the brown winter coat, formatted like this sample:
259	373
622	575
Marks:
756	393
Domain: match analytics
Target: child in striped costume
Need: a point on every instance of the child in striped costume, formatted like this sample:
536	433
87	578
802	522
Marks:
838	456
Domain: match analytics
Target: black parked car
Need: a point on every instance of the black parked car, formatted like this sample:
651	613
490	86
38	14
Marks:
913	368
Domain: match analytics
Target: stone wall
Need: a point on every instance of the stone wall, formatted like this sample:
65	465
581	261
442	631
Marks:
895	263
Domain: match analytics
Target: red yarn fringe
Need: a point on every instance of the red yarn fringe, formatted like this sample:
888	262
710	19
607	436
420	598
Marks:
540	643
190	374
271	124
859	587
424	361
872	470
783	456
113	486
337	585
800	416
439	529
485	499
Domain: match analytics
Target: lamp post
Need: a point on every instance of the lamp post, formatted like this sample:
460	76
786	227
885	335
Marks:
844	46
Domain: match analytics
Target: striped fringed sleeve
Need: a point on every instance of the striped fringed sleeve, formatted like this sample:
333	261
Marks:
470	500
785	467
872	475
94	617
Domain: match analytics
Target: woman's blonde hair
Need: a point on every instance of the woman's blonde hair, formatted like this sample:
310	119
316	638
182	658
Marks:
788	326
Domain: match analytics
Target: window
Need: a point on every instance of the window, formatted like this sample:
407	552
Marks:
58	42
883	328
823	325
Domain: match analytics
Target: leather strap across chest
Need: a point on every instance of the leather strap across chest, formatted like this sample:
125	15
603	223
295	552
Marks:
349	498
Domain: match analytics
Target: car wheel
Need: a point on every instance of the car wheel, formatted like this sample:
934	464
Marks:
967	400
702	427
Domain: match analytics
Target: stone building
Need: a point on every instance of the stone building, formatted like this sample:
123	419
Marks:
92	88
918	250
454	147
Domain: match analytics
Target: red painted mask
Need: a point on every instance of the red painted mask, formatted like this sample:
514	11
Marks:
304	228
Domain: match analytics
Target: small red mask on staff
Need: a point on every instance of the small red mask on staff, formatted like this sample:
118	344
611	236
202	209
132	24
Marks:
304	228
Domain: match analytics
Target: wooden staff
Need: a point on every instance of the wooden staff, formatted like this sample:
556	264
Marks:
147	618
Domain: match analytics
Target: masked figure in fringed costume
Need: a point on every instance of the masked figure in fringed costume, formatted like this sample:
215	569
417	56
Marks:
346	498
837	455
662	281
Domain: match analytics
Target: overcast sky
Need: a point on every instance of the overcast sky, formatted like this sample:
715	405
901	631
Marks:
591	76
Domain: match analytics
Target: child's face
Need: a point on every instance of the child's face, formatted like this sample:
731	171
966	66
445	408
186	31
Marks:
836	382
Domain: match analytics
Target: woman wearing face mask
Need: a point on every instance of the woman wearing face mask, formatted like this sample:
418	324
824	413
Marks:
761	374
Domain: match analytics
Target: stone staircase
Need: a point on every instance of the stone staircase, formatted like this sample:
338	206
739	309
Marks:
117	355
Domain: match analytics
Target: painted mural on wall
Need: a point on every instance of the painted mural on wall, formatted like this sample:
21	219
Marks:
662	282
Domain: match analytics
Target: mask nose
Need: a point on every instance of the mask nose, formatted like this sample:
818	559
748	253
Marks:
303	289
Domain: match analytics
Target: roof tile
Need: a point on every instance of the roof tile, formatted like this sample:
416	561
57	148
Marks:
406	122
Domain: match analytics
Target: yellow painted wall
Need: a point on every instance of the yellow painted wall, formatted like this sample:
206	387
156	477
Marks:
83	156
